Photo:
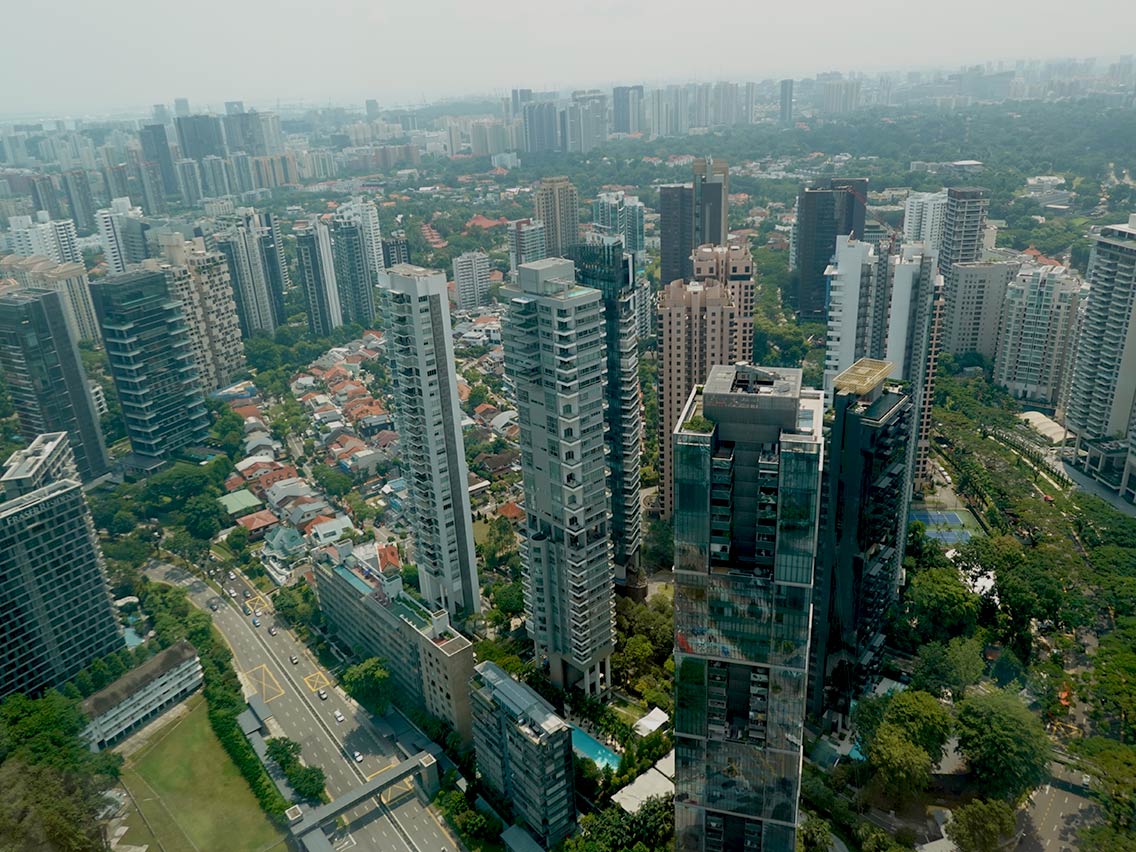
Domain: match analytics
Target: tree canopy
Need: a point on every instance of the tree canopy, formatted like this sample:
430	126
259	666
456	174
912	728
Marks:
1004	744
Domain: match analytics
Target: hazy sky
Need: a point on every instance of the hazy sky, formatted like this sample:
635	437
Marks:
76	57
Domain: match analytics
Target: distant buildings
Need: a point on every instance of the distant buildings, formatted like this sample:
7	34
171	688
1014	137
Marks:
55	239
1103	393
541	127
616	214
627	109
45	377
199	136
526	242
258	272
149	351
58	616
555	355
122	234
362	212
831	208
749	452
786	102
421	355
557	206
69	280
524	753
701	324
471	279
692	215
315	265
924	214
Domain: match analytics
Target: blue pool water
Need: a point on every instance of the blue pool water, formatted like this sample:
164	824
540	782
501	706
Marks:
588	746
133	640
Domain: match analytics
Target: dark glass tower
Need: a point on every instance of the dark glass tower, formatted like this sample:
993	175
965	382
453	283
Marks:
831	208
156	149
676	232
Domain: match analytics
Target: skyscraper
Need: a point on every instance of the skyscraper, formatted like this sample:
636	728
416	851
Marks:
148	347
963	223
199	136
541	127
786	102
191	187
56	240
255	271
156	149
78	191
711	205
69	280
974	294
524	753
831	208
749	452
676	232
421	355
924	214
58	616
616	214
863	534
612	272
554	352
1103	394
199	279
626	109
557	206
701	324
315	265
45	196
471	279
526	242
354	277
45	376
362	212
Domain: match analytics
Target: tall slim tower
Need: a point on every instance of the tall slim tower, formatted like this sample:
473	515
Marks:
749	453
963	222
831	208
611	271
58	616
973	305
421	355
555	354
362	212
711	205
256	272
924	214
148	347
676	232
471	279
786	102
526	243
558	206
355	275
705	322
156	149
45	376
315	264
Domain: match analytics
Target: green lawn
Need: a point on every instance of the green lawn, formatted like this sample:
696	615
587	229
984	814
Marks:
480	531
193	796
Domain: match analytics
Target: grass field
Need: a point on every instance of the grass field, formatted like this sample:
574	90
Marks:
191	794
480	531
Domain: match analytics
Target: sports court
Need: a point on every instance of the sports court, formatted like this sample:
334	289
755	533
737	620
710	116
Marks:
944	526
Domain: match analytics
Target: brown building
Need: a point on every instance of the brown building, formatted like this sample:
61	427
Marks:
557	205
701	324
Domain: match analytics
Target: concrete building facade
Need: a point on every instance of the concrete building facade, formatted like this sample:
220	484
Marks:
471	279
557	205
974	295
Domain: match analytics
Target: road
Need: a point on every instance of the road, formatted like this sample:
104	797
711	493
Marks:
1056	812
402	824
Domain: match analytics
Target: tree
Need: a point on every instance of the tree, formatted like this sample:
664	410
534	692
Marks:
1113	768
924	721
867	717
814	836
334	482
203	517
308	782
237	540
634	660
1113	686
940	605
902	768
1004	745
283	750
658	546
509	598
980	826
952	667
369	683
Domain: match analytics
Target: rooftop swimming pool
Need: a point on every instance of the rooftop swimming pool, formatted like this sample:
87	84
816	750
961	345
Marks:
588	746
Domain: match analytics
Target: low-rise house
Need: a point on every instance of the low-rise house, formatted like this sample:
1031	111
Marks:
258	523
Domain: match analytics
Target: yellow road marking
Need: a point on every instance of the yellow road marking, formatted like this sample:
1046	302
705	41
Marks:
265	683
316	681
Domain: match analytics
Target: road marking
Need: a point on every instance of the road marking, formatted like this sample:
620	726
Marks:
316	681
265	683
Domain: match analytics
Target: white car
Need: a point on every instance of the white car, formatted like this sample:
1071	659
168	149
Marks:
257	613
232	593
338	717
358	757
232	575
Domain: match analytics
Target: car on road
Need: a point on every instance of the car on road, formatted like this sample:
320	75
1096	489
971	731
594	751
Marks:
245	609
247	594
256	622
294	660
232	575
213	605
358	756
322	694
257	613
1086	780
272	630
232	593
338	717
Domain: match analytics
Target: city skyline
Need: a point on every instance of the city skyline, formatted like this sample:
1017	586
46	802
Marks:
1011	31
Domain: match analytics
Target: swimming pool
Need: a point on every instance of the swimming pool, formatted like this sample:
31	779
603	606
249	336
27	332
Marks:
588	746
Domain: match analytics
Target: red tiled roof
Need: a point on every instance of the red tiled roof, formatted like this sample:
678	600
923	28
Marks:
258	520
511	511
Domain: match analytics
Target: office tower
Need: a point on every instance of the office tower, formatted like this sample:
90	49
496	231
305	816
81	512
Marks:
526	242
199	279
55	240
45	376
963	223
786	102
45	196
147	345
557	206
234	107
524	753
749	103
583	122
1034	357
255	133
520	97
974	293
242	178
542	127
156	149
78	191
863	534
749	451
257	270
611	271
363	212
199	136
153	195
58	616
181	107
676	232
190	186
554	352
626	109
825	211
703	323
160	113
839	97
372	108
1103	391
471	279
315	264
617	214
395	250
711	204
67	279
421	355
924	214
214	177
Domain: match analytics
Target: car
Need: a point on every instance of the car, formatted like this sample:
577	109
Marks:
232	575
1086	780
245	609
295	660
213	605
272	630
358	756
257	613
247	594
256	622
232	593
338	717
322	694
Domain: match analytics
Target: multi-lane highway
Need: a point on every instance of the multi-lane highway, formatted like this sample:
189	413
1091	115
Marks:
292	691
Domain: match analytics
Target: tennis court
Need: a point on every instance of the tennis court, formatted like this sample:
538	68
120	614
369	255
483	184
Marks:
938	519
946	527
